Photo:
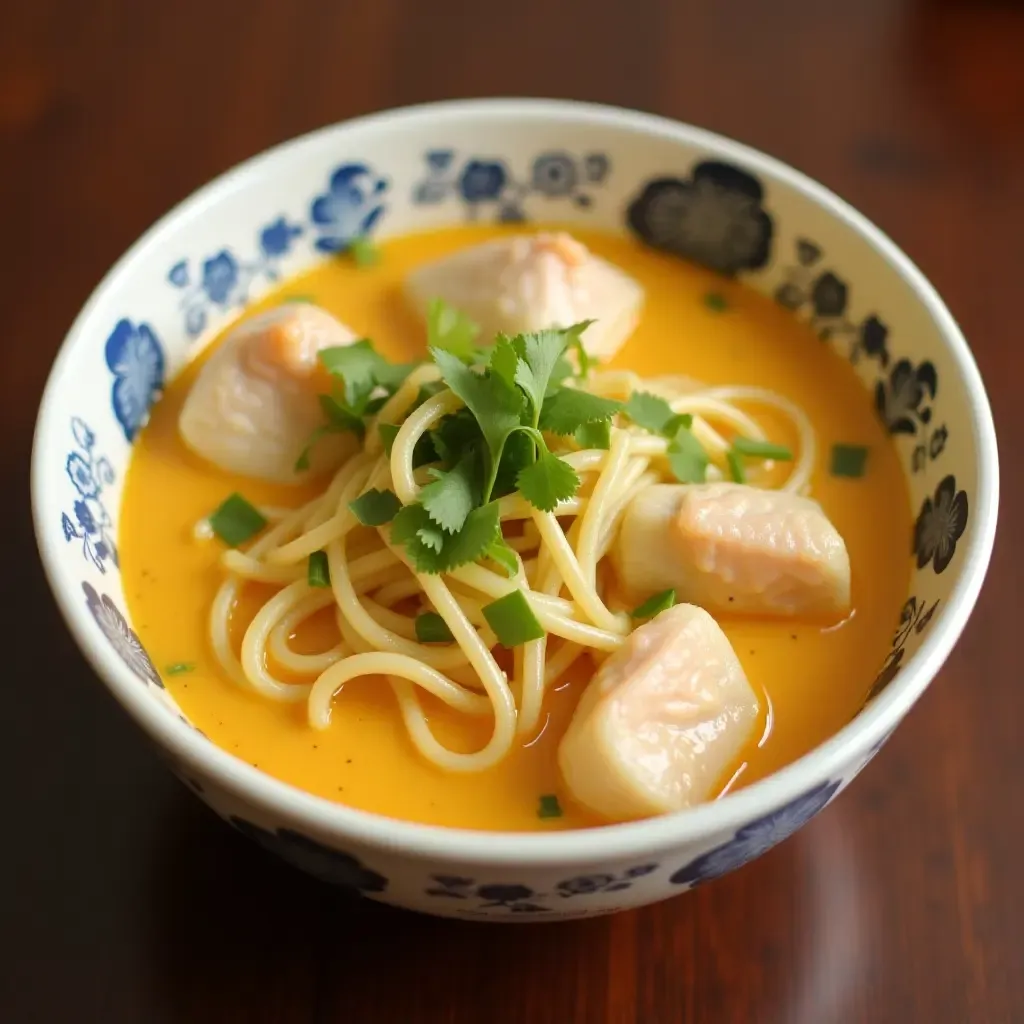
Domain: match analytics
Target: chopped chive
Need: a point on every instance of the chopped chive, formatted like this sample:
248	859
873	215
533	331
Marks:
388	432
655	605
716	302
363	251
375	508
512	620
180	668
761	449
432	629
236	521
736	470
549	806
319	573
849	460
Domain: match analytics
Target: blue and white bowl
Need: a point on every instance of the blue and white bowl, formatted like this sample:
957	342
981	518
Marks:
696	194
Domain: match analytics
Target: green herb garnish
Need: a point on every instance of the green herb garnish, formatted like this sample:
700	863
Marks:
453	494
431	550
236	521
849	460
655	605
180	668
388	432
513	620
450	330
549	806
649	411
568	409
375	508
363	251
761	449
318	573
687	457
594	435
736	470
432	629
502	554
716	302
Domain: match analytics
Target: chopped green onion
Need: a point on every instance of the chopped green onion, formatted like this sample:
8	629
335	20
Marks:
655	605
432	629
388	432
849	460
512	620
761	449
363	251
736	470
179	668
299	298
549	806
236	521
318	573
375	508
716	302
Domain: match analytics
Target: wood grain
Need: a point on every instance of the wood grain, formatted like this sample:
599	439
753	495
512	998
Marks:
123	900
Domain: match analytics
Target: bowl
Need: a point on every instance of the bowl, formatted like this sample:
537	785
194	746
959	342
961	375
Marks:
683	189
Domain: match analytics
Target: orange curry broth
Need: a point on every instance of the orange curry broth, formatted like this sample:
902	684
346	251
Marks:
814	679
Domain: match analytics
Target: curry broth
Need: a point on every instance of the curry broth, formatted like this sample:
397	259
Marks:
694	323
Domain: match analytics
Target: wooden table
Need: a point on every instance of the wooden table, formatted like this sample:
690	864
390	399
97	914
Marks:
123	900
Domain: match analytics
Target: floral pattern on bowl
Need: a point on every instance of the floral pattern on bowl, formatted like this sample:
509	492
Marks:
715	217
89	523
485	184
323	862
136	359
122	638
756	838
350	207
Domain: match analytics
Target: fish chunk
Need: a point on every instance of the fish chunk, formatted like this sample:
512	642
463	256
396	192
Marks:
661	722
254	405
732	547
528	283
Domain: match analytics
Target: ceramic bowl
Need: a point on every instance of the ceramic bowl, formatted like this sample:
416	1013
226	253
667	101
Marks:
695	194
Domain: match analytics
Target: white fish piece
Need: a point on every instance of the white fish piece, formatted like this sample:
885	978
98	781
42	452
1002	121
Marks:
662	720
254	405
531	282
732	547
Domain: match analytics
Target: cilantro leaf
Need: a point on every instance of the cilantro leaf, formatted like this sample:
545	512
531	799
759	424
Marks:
355	366
414	528
388	432
569	408
341	418
687	457
453	494
496	406
454	434
501	553
504	359
519	452
649	411
594	435
538	354
450	330
575	343
547	481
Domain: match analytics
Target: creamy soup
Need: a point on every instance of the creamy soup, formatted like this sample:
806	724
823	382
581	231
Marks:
810	674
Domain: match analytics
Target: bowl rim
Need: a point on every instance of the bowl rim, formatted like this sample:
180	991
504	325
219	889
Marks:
286	802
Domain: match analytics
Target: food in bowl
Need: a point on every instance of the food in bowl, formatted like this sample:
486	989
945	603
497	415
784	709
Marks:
515	530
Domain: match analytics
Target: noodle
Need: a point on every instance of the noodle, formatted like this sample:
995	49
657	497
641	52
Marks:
377	595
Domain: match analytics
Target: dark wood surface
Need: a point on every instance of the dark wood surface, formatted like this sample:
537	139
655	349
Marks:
123	900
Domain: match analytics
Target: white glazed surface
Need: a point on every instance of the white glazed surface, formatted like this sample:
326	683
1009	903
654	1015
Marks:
425	167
